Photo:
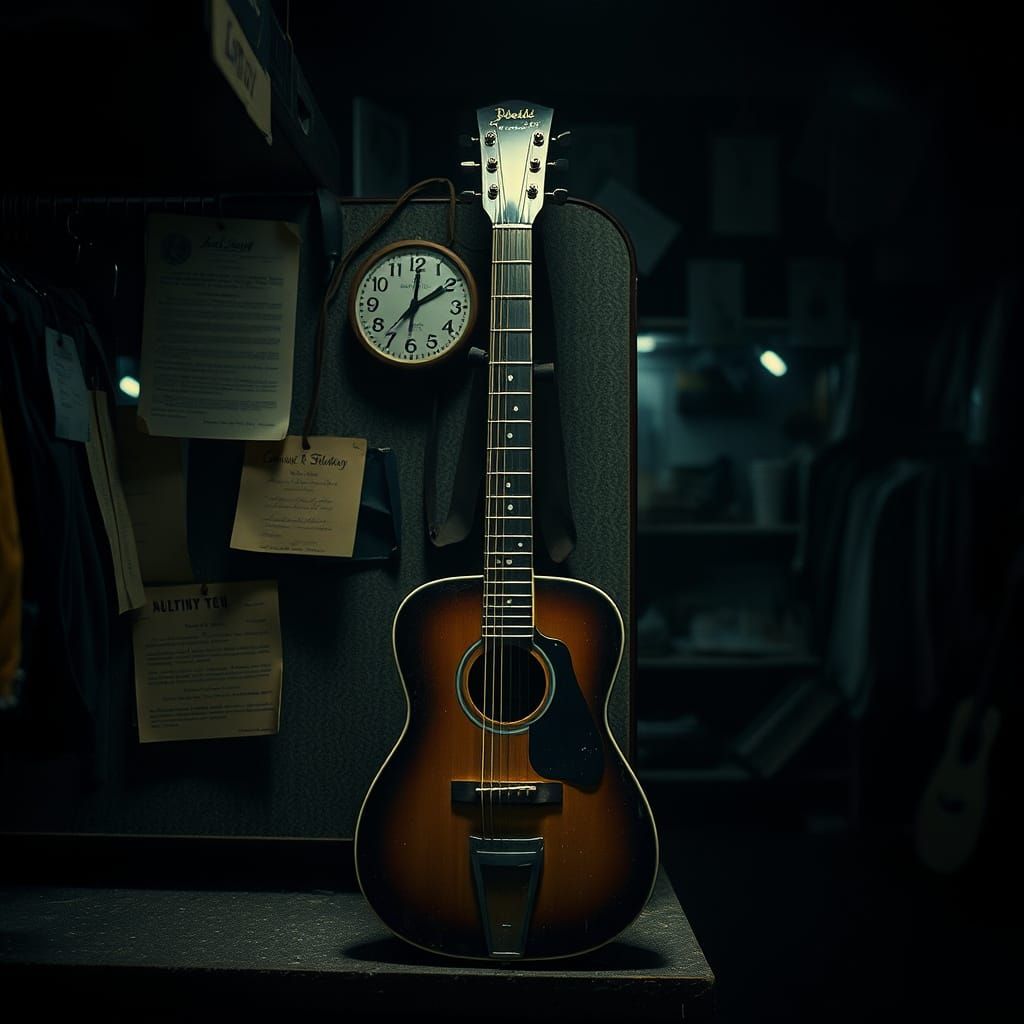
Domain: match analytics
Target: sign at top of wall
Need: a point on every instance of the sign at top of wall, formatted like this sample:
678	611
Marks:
234	55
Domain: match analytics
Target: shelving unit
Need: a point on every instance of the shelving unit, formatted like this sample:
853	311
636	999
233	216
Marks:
707	561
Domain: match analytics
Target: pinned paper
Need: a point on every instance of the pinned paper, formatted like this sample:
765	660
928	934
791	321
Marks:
101	454
715	301
298	501
817	302
745	185
218	334
208	662
71	402
153	475
651	230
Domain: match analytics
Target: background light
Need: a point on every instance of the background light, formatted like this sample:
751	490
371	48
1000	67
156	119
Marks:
773	363
129	385
645	343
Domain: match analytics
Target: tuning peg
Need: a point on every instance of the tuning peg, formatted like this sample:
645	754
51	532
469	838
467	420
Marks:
468	195
561	164
558	196
562	139
468	141
469	165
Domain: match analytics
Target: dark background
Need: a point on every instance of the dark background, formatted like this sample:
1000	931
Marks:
808	898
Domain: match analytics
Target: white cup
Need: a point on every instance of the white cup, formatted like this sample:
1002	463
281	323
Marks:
768	490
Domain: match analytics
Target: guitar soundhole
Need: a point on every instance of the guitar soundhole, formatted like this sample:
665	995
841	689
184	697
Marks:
506	684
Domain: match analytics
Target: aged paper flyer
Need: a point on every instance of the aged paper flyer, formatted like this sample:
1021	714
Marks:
297	501
153	476
218	331
208	661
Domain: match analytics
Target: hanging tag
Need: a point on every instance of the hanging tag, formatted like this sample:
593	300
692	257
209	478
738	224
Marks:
298	501
101	454
71	403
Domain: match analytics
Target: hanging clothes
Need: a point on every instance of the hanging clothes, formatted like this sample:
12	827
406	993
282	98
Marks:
10	582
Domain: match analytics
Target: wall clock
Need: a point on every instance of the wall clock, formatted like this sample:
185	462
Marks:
413	303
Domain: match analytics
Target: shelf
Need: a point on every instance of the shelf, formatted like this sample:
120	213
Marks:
716	530
727	661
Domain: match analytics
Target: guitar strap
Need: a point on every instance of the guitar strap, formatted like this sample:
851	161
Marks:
552	508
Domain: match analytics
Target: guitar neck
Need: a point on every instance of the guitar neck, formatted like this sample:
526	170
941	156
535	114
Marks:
508	530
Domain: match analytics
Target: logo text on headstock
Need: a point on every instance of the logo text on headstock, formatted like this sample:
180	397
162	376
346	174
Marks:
522	114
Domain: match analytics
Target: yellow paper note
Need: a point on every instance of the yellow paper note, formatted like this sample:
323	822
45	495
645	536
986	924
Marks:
208	662
218	331
153	476
297	501
101	454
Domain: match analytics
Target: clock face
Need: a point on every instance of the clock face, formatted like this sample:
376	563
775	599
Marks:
413	303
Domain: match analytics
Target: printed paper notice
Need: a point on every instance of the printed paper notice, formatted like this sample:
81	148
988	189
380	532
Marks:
218	333
208	662
299	501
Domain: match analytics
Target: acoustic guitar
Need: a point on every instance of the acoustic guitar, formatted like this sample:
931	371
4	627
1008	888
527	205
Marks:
506	823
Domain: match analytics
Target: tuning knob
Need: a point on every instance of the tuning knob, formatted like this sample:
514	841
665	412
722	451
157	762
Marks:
559	195
469	165
468	195
562	139
561	164
468	141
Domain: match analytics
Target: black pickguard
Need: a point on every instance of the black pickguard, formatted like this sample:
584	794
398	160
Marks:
565	743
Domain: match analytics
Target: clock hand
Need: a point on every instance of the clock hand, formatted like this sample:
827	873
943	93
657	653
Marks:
415	302
439	290
413	306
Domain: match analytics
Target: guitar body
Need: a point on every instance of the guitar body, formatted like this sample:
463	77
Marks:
463	847
952	809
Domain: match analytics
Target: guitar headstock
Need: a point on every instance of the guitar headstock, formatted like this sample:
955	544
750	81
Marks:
514	140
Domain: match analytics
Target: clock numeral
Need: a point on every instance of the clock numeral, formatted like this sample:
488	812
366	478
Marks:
378	323
438	268
380	284
431	341
416	262
451	330
449	284
372	304
410	345
456	307
396	269
391	335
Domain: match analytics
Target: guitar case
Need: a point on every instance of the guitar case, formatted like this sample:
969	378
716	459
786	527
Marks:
342	703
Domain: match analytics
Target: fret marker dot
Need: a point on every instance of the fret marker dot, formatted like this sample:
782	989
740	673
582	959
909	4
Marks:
508	483
510	376
520	544
509	601
509	435
515	408
510	508
508	561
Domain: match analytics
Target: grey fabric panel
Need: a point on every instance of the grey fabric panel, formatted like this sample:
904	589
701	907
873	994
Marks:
343	706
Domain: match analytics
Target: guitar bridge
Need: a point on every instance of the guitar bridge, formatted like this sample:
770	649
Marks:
506	872
505	794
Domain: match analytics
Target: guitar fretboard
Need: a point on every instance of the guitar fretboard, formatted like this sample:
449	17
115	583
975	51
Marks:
508	527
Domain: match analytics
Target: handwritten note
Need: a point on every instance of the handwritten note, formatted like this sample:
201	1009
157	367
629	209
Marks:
293	500
208	662
218	332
